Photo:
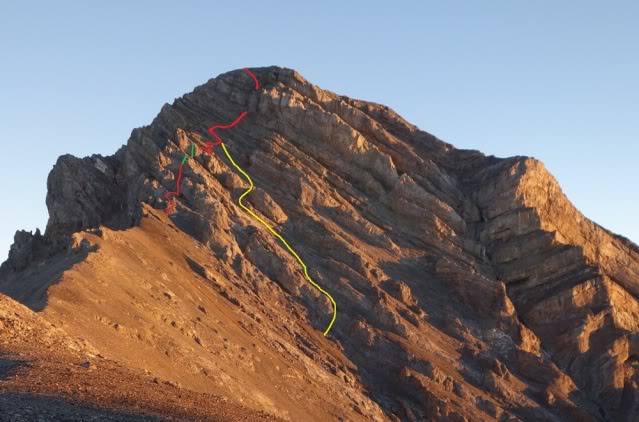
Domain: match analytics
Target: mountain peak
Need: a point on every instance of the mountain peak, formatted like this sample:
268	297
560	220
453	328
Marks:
217	245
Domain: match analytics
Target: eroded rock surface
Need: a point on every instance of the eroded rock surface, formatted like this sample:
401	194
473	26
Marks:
468	286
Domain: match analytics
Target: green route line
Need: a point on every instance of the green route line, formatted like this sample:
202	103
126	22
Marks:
279	236
186	156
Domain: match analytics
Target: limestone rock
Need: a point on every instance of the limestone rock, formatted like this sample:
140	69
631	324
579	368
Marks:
468	287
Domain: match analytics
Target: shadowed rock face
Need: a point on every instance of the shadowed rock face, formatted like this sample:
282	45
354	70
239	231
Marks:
468	287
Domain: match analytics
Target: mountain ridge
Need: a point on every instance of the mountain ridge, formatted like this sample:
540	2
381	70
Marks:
493	294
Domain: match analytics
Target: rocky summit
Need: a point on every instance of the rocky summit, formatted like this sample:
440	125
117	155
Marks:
468	287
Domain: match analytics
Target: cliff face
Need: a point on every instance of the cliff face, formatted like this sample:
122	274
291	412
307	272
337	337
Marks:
467	287
572	282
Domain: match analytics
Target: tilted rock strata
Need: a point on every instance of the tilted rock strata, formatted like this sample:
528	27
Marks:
468	287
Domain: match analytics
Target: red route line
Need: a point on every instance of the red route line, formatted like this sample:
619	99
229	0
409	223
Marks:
206	148
252	75
170	196
212	129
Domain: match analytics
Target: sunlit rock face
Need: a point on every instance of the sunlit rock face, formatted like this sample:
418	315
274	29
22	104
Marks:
467	286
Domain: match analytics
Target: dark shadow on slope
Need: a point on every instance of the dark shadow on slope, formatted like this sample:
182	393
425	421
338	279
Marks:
9	366
476	369
441	302
19	407
197	268
30	286
437	301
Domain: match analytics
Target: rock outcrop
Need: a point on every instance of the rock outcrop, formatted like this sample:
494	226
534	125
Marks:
468	286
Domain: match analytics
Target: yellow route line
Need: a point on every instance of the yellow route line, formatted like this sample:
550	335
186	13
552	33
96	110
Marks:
279	236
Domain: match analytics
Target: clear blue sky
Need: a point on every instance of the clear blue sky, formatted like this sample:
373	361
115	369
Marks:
557	80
